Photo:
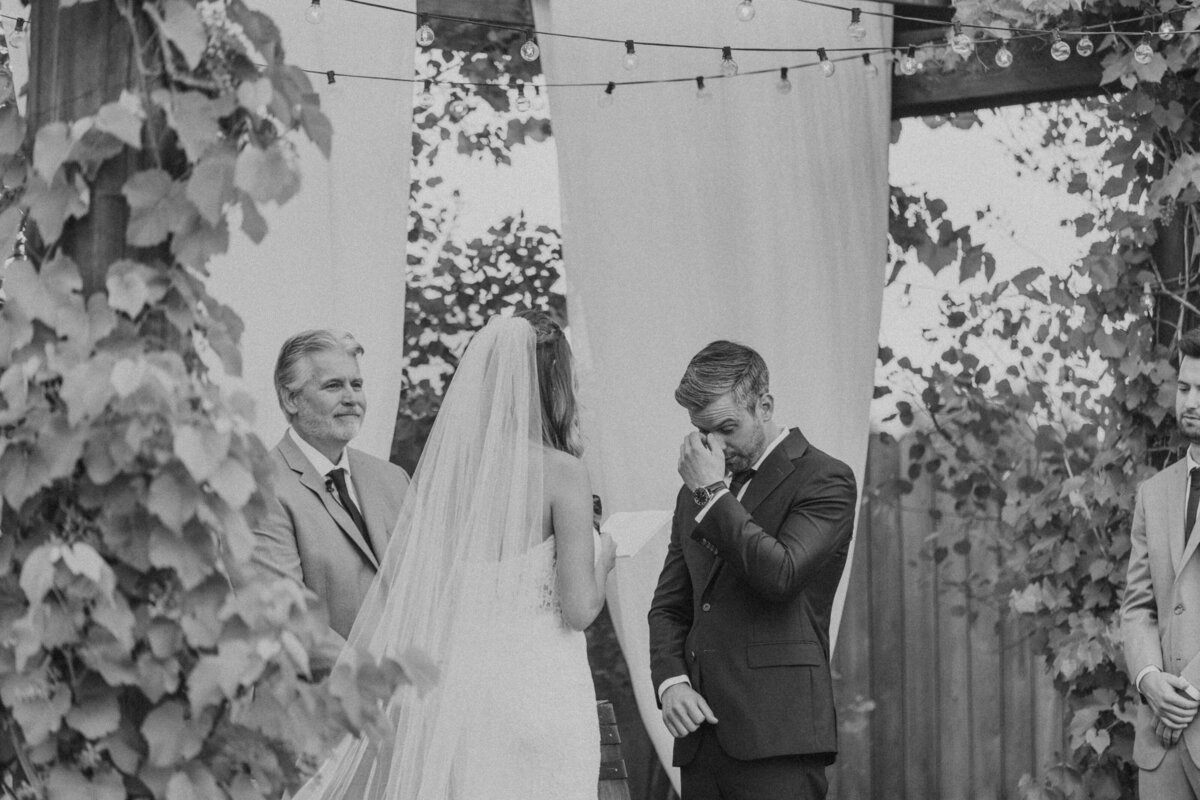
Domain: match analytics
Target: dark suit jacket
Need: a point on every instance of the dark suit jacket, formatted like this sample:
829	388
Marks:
749	625
307	535
1160	613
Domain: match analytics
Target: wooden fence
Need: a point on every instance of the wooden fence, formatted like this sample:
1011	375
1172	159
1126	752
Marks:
937	698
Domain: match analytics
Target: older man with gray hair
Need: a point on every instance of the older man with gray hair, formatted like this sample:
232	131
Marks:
334	507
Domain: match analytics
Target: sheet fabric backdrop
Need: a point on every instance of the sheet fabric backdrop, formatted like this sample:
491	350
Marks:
755	217
335	253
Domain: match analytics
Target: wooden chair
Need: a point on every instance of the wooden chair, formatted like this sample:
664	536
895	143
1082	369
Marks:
614	780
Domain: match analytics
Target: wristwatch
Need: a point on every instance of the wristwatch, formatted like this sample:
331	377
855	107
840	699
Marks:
704	495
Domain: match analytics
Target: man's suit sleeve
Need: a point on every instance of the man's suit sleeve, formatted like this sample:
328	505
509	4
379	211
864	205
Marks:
1139	611
275	547
670	615
819	522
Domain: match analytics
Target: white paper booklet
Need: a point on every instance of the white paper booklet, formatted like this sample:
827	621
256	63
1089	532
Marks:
632	529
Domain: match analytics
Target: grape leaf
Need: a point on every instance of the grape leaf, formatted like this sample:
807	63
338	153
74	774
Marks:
170	737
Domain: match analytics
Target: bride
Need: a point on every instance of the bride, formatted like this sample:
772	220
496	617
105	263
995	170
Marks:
493	571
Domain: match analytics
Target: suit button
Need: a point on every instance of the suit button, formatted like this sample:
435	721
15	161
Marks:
706	607
692	653
1179	608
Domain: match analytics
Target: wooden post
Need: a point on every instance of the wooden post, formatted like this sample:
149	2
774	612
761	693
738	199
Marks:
614	780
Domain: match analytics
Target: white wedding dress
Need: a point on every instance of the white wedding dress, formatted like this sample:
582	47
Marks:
535	735
469	582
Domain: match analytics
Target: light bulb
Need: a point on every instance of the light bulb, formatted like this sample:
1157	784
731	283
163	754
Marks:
425	98
869	66
17	37
906	298
1085	47
827	66
783	86
425	35
530	50
1166	31
459	109
1004	56
1143	53
960	42
702	92
745	10
630	61
314	15
606	99
856	29
523	102
1146	301
908	64
539	100
729	67
1059	50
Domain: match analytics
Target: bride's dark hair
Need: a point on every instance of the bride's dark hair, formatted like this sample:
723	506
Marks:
556	383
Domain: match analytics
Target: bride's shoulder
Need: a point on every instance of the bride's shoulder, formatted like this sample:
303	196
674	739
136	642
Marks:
563	468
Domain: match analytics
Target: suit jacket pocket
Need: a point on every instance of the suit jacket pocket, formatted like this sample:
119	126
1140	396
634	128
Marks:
784	654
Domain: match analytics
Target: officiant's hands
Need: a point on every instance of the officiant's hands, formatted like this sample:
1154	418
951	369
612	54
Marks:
702	459
684	710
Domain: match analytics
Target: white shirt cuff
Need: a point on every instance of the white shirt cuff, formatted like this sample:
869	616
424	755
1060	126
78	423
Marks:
669	682
1137	682
716	496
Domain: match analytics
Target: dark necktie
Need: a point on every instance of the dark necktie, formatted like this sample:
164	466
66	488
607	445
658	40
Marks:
739	480
338	476
1193	499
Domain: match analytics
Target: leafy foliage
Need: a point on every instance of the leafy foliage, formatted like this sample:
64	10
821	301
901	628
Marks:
1052	399
141	654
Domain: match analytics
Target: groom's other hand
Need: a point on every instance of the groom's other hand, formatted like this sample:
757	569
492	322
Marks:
701	460
684	710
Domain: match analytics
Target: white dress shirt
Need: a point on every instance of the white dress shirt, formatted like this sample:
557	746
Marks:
323	465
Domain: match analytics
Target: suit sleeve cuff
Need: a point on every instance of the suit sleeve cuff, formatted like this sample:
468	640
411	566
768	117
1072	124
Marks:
669	682
704	511
1137	682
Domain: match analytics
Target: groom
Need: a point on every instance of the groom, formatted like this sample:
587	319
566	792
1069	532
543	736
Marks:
739	624
334	506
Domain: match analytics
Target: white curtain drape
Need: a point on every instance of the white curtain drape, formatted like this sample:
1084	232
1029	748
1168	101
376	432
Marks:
755	216
335	253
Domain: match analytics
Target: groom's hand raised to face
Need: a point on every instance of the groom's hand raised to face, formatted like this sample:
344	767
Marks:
701	459
684	710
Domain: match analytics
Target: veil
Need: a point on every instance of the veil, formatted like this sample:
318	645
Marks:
474	505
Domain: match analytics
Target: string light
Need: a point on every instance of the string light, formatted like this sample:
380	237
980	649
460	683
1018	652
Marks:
729	67
539	101
530	50
1144	51
523	102
17	37
630	61
331	77
745	10
961	43
425	35
908	64
1166	31
458	108
1085	46
702	93
1059	50
906	298
827	66
856	29
783	86
606	99
425	98
1146	301
314	15
1004	56
869	67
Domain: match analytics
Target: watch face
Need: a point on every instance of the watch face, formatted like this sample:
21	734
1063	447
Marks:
702	496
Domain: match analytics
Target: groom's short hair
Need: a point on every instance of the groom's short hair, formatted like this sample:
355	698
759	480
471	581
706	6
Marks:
722	367
289	366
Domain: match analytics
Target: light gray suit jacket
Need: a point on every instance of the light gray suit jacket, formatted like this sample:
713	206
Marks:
1160	614
307	535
